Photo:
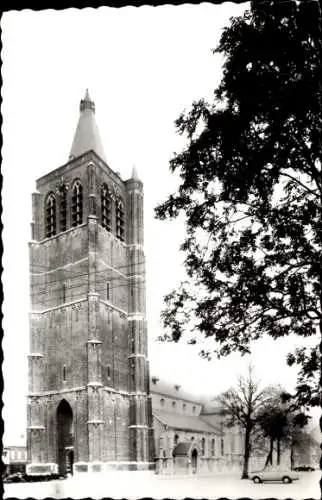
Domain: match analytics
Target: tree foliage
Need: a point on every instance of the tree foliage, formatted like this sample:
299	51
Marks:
251	191
281	420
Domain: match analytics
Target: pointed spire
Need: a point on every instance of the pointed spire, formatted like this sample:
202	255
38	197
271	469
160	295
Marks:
87	136
135	174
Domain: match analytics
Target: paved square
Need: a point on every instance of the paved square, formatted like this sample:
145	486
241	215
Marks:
125	485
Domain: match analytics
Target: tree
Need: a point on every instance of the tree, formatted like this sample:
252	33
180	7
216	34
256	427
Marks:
281	421
251	191
242	405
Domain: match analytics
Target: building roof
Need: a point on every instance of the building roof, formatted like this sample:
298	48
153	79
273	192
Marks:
172	390
87	136
185	422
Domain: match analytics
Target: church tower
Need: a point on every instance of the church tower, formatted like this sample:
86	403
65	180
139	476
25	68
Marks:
89	405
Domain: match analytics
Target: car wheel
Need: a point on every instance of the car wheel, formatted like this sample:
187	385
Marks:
257	479
286	479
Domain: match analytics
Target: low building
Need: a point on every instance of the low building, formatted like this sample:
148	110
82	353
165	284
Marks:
14	459
190	436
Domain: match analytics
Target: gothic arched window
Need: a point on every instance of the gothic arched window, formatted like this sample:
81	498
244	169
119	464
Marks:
120	220
77	204
50	209
63	209
203	441
106	204
213	447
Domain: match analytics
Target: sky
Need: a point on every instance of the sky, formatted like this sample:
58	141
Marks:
143	67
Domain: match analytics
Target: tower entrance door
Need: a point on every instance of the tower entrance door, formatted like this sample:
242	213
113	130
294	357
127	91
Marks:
65	438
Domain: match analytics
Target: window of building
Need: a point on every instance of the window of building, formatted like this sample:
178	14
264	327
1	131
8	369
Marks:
63	209
174	405
107	291
77	204
222	449
176	440
50	227
203	446
162	402
194	409
106	206
213	447
184	407
120	220
64	373
108	372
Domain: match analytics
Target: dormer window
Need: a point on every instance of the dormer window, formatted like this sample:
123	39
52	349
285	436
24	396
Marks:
106	205
155	380
50	228
77	204
177	387
120	220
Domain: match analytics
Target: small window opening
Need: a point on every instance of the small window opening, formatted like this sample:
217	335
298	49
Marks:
64	373
107	291
63	293
108	372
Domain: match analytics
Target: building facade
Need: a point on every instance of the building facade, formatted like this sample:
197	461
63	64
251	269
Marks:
89	407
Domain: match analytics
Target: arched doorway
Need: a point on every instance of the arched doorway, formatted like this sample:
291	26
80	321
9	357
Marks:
194	461
65	438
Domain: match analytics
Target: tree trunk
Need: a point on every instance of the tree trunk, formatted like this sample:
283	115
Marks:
292	455
269	459
246	454
278	451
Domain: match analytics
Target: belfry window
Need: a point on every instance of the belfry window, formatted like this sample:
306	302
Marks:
50	229
63	210
106	204
77	204
120	220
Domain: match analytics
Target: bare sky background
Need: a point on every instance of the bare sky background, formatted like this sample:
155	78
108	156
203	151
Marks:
143	66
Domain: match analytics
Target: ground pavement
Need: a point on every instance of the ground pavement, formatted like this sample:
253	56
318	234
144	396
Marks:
139	485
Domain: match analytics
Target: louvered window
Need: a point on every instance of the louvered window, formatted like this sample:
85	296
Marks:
106	205
50	227
77	204
63	210
120	221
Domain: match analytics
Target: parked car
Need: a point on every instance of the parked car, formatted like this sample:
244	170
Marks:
283	474
16	477
304	468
